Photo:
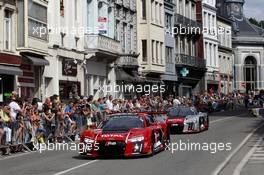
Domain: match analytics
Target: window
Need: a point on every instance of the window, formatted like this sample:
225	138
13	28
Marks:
75	9
193	12
62	8
131	38
76	41
62	39
152	10
168	18
157	52
143	9
193	49
187	11
168	54
160	13
144	51
37	18
209	22
180	7
117	30
124	41
204	19
156	12
153	50
7	30
161	57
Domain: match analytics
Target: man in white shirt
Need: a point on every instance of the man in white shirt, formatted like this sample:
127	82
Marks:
176	102
109	103
14	107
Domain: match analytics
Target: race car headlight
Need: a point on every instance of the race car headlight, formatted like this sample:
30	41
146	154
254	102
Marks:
88	140
137	147
136	139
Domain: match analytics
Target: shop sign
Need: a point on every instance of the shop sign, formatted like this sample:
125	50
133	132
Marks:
184	72
8	94
69	67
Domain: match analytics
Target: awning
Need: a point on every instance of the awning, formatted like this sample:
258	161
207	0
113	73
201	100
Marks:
121	75
37	61
153	80
10	70
167	77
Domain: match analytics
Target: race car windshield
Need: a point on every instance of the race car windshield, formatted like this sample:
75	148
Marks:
123	123
160	117
180	112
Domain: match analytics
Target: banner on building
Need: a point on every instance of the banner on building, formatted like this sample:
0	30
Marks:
102	25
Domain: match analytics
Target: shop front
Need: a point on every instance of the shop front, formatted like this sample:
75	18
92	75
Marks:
31	81
190	81
69	85
9	70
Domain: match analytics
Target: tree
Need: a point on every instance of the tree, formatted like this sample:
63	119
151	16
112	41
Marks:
254	21
257	23
261	23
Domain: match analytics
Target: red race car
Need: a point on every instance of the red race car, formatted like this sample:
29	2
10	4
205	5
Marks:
161	119
125	134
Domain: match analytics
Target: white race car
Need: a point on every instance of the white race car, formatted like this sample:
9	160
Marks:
187	119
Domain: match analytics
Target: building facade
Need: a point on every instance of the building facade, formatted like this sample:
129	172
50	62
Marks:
126	66
189	58
225	54
65	74
10	60
248	46
151	40
212	77
32	45
102	49
170	77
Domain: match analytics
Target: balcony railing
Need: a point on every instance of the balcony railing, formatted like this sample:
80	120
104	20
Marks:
102	43
127	61
192	61
186	22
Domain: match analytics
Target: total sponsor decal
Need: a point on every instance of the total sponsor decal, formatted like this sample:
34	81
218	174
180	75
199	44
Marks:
112	135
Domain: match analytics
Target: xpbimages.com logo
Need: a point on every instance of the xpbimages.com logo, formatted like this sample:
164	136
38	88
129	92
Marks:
129	88
212	147
76	147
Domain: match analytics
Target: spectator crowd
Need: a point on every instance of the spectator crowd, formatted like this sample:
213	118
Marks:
27	121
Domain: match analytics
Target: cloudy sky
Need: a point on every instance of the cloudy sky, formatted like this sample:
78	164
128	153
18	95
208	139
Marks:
254	8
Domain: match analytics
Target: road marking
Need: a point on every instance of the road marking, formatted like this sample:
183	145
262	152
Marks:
219	120
73	168
227	118
15	155
227	159
255	162
245	159
257	155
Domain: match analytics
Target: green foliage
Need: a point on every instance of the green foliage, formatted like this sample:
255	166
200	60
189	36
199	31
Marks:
256	22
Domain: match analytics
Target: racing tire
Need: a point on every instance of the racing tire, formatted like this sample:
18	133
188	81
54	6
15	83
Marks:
200	125
152	145
207	128
168	139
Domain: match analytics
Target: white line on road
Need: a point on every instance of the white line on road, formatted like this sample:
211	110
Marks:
245	159
227	118
15	155
226	161
73	168
223	119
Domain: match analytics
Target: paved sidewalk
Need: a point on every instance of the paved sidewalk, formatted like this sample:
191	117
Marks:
254	160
